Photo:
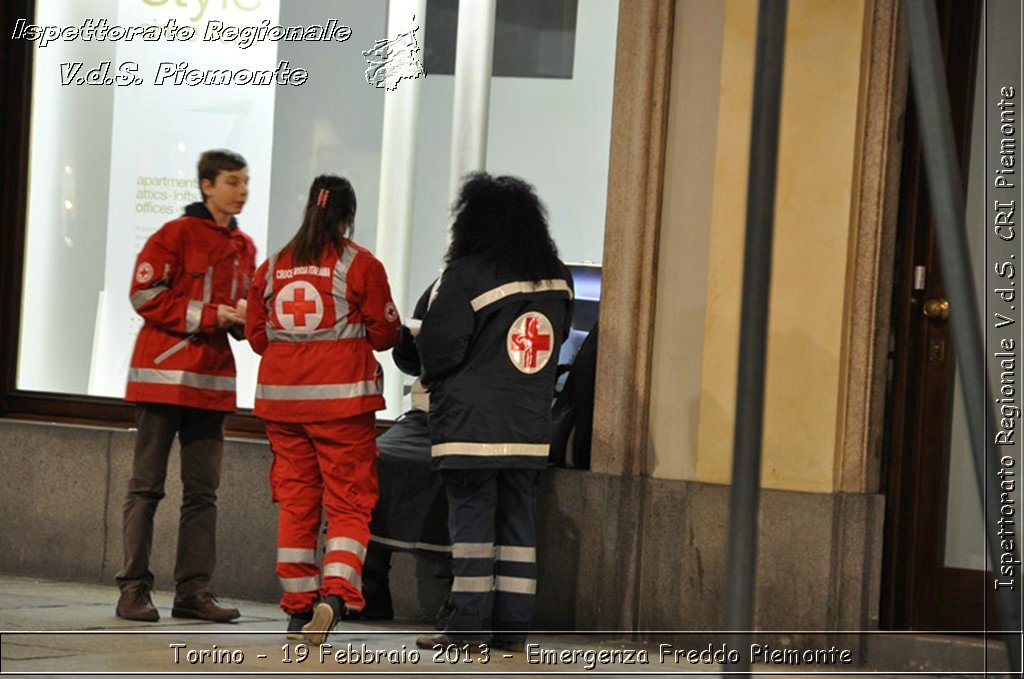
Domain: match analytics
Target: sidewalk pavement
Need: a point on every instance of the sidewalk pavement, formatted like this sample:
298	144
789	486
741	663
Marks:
54	628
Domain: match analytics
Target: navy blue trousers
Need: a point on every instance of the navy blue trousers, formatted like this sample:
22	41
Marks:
494	551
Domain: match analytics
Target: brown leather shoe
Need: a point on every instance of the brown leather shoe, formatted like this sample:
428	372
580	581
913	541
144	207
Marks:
136	604
202	606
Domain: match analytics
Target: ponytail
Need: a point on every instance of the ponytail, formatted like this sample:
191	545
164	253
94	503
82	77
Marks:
328	218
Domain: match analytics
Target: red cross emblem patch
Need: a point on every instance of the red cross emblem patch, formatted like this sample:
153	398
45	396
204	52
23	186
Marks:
299	307
144	273
529	342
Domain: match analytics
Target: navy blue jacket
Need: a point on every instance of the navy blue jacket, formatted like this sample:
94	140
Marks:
489	348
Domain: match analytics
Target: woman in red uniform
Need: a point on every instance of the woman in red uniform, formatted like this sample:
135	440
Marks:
316	312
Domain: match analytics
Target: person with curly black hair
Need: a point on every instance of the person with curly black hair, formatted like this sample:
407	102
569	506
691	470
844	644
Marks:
489	345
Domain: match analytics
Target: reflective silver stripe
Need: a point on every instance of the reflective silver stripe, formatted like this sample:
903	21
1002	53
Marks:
518	288
339	330
268	290
340	283
517	554
208	286
473	550
434	288
312	392
296	555
194	316
171	352
339	288
473	584
234	280
420	396
485	449
344	571
181	377
143	296
347	545
307	584
426	546
507	583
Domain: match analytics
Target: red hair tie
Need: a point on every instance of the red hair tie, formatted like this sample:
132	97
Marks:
321	200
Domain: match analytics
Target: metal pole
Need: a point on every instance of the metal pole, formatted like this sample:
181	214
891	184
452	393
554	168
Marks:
397	185
474	56
757	250
944	188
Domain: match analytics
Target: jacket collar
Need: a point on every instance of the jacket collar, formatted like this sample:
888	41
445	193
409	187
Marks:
200	211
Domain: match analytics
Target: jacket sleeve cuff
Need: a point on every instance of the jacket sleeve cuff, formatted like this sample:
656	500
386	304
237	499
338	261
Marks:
208	325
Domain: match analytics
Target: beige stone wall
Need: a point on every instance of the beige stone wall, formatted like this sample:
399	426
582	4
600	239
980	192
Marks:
697	321
683	243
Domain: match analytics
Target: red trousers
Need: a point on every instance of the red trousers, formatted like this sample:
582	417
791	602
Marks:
332	465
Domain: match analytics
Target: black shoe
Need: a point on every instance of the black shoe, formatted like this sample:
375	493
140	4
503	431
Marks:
202	606
326	614
431	641
136	604
444	615
296	622
374	613
507	645
377	593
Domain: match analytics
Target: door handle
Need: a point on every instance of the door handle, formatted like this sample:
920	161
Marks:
937	308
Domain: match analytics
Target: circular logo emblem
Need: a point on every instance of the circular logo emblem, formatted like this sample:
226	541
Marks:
529	342
144	273
390	312
299	307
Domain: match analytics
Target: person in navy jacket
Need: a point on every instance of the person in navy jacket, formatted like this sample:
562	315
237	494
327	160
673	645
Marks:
489	346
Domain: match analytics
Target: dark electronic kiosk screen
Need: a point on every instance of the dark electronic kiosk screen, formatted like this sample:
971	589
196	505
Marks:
586	279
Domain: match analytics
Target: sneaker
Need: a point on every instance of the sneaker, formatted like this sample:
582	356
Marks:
326	614
202	606
136	604
296	622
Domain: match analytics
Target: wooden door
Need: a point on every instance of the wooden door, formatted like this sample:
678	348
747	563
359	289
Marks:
922	587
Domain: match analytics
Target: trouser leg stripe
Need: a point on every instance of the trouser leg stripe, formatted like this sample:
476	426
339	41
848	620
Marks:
473	584
473	550
507	583
347	545
517	554
343	571
292	585
296	555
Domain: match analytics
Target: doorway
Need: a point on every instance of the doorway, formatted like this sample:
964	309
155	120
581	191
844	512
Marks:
934	575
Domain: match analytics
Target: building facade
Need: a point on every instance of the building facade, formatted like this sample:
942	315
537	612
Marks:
852	528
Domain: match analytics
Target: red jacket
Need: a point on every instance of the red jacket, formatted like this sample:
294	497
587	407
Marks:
184	271
316	327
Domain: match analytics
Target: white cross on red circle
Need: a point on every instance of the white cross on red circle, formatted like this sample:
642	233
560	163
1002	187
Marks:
299	307
530	341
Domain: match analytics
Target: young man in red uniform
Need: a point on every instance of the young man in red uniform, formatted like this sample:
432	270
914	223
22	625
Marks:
317	311
190	284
